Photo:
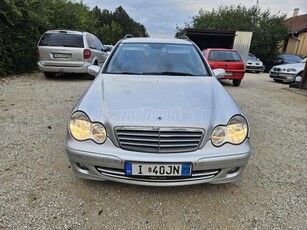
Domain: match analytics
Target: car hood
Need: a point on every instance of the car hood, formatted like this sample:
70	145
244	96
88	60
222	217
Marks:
254	61
168	101
299	65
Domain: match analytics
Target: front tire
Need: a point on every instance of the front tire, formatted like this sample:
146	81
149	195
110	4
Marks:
236	82
90	77
49	74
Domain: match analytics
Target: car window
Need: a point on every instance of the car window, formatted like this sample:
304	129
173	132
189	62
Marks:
90	41
291	58
62	39
98	43
157	59
252	57
225	56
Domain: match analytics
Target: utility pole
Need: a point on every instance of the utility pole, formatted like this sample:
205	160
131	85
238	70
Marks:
303	84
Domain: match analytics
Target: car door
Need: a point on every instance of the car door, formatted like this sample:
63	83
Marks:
99	51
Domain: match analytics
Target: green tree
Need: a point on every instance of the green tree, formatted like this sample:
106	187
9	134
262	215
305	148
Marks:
268	29
112	26
111	33
22	22
18	36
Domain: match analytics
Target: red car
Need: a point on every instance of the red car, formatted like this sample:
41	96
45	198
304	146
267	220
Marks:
229	60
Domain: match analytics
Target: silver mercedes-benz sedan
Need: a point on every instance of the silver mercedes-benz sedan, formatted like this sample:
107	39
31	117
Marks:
157	115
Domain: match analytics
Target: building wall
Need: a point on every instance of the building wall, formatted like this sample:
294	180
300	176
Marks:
292	46
302	49
296	47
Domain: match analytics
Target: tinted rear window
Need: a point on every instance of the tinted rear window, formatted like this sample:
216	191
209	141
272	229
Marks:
62	39
222	55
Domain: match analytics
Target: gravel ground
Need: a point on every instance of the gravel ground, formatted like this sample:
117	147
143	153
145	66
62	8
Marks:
39	191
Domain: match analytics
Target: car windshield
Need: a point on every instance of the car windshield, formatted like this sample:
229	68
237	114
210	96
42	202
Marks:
156	59
291	58
224	56
62	39
252	57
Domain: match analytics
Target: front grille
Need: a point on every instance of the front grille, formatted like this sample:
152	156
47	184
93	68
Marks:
254	67
159	140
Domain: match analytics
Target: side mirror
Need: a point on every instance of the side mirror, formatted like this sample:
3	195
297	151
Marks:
93	70
279	61
106	48
219	73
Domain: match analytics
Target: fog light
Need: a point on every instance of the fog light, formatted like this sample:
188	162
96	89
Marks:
81	166
233	170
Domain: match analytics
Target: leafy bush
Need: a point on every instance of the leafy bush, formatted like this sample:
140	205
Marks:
22	22
268	29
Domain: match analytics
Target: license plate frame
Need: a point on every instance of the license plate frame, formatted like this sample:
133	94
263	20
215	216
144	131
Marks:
228	74
140	169
284	75
61	55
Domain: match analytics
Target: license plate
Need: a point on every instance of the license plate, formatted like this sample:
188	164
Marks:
283	75
148	169
57	55
228	74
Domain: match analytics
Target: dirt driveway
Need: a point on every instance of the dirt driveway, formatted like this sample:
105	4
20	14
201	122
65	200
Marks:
39	191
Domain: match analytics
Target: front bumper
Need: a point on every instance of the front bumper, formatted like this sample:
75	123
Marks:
285	77
107	162
233	74
254	68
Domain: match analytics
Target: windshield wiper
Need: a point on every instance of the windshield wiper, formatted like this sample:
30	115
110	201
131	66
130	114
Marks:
130	73
169	73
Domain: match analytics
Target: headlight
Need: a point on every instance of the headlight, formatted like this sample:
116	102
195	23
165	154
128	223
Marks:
234	132
81	128
219	135
291	70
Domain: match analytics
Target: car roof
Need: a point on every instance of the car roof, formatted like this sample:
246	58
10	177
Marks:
285	54
156	40
220	49
65	31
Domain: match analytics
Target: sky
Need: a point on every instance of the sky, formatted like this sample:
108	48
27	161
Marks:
161	17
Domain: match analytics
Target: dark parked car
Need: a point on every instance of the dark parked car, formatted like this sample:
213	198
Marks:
281	59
